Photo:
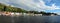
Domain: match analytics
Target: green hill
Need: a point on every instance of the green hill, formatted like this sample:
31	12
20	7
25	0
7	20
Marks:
10	9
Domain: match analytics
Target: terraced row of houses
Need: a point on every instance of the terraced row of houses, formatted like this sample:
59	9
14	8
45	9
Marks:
25	14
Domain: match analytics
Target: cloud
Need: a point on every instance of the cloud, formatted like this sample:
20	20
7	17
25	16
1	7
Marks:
57	13
31	5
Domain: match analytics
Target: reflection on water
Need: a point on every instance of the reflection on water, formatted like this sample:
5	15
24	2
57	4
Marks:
29	19
12	18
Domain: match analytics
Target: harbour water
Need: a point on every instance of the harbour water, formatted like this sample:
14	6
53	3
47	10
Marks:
29	19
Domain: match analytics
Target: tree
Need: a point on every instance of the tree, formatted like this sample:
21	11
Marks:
4	8
42	12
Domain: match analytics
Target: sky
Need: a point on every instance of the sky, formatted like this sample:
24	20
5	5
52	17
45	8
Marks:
35	5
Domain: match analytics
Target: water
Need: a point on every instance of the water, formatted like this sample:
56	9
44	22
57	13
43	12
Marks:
29	19
12	19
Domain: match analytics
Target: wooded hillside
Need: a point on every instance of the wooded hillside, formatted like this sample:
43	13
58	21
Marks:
10	9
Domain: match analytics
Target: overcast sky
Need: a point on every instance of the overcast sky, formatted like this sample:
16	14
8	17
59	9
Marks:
37	5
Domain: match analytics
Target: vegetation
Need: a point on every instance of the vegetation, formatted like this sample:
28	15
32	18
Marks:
10	9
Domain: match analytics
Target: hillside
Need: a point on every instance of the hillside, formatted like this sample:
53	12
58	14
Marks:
15	9
3	7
